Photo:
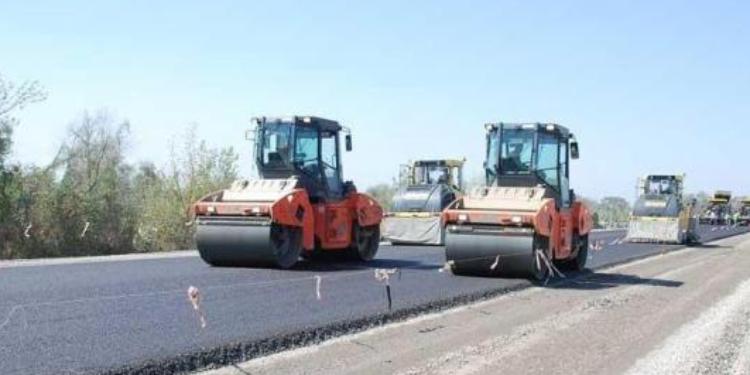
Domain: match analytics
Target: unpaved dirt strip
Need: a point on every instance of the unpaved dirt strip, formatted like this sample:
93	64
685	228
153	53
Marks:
685	312
709	344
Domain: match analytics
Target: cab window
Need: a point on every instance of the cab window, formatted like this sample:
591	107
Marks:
306	151
549	159
329	154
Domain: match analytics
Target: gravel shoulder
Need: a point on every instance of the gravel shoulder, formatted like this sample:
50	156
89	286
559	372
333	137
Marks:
684	312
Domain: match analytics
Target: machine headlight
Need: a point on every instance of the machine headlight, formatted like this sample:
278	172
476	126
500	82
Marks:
516	219
463	217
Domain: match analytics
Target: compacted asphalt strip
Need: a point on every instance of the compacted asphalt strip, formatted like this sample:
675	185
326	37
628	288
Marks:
683	312
134	315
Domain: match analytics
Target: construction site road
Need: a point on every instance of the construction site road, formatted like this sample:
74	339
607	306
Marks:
685	312
134	315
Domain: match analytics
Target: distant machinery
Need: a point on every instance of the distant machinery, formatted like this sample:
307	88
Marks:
660	214
744	212
718	211
428	186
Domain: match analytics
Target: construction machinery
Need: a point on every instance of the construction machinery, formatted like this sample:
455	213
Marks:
744	212
526	221
428	186
718	210
660	214
299	205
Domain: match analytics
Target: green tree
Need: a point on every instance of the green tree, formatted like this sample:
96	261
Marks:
165	197
592	205
383	194
613	211
92	205
13	98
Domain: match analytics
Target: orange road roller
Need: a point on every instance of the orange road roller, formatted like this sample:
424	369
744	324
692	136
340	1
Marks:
526	219
300	205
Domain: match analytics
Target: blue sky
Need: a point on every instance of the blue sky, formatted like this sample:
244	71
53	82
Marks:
647	86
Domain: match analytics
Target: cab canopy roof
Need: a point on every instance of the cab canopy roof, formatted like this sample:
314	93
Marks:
439	162
316	122
722	196
678	177
538	126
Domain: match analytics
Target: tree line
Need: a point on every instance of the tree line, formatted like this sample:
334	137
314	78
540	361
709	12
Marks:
89	200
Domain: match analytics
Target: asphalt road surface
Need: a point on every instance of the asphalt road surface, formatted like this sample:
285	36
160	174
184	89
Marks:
134	315
687	312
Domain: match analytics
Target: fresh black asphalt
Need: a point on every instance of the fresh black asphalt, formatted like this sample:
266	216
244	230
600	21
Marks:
135	316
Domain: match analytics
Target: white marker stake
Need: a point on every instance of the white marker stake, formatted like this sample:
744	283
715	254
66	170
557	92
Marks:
384	276
495	264
318	279
85	229
447	266
194	295
550	265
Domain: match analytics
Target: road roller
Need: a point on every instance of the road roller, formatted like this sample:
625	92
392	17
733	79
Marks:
297	207
744	212
427	187
525	221
718	210
660	215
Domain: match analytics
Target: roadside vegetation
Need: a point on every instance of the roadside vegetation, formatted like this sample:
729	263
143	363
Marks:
89	200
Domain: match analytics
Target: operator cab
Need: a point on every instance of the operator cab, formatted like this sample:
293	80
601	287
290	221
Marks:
745	209
530	155
435	172
659	185
305	147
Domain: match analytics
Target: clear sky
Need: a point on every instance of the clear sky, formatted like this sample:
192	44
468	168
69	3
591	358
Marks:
648	86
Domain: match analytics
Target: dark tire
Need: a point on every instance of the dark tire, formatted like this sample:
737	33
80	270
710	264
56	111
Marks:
365	242
287	245
577	263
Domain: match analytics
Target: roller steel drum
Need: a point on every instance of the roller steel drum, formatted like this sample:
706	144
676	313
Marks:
657	230
238	243
474	254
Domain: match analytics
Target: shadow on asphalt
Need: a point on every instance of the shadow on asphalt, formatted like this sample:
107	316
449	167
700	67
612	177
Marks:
708	246
595	281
